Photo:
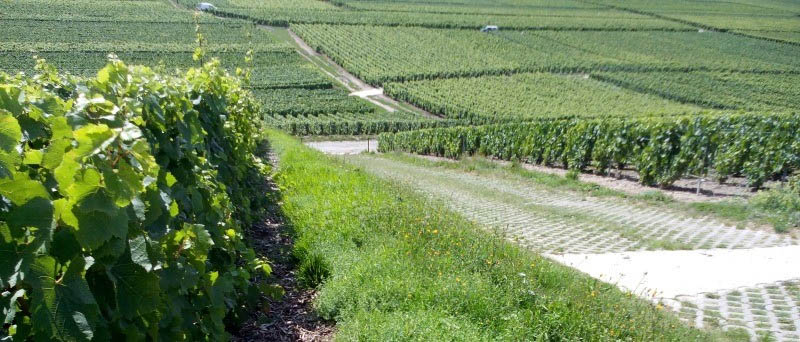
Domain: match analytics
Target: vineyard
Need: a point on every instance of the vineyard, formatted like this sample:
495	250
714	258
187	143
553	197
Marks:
91	11
108	231
661	150
771	20
354	123
442	15
135	204
537	95
383	54
757	92
284	81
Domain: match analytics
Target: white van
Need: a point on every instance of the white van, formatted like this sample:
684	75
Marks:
204	6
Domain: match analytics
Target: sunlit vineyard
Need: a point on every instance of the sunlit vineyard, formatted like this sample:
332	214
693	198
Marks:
537	95
772	19
401	54
762	92
154	185
661	150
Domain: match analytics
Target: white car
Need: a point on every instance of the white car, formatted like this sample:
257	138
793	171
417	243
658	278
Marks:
489	28
204	6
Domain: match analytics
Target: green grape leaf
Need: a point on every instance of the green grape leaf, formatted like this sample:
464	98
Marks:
60	128
138	292
63	212
99	219
119	190
10	135
8	163
87	183
54	153
139	254
33	157
32	129
10	306
65	246
10	261
22	189
37	213
11	99
65	172
10	132
92	139
53	106
62	309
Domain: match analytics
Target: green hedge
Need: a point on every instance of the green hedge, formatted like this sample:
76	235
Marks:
661	150
122	203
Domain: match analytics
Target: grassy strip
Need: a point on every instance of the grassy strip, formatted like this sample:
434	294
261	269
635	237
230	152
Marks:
778	208
391	266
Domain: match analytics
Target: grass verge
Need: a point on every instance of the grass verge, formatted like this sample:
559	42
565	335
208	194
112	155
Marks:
390	266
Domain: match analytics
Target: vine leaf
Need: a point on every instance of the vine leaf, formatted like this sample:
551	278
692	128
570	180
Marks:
10	135
64	309
99	219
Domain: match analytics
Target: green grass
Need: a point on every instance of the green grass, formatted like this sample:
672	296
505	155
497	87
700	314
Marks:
399	268
779	208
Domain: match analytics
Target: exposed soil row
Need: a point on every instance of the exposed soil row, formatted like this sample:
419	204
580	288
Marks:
289	317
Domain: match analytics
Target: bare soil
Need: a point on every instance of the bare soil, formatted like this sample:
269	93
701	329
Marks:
291	317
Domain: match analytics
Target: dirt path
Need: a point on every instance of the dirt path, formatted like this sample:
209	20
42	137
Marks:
287	317
353	83
627	243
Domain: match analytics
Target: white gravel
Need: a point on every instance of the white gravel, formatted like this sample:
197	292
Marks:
368	92
344	147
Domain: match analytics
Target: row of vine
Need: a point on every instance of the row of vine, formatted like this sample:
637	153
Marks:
661	150
122	204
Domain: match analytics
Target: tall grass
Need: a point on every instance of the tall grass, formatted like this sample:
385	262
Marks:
397	267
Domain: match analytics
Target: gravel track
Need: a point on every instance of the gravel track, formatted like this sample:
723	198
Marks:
566	222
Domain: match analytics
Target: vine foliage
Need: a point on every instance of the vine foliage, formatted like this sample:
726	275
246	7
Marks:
661	150
123	199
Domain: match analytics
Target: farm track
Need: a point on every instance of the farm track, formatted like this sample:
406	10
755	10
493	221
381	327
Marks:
564	224
772	308
350	81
